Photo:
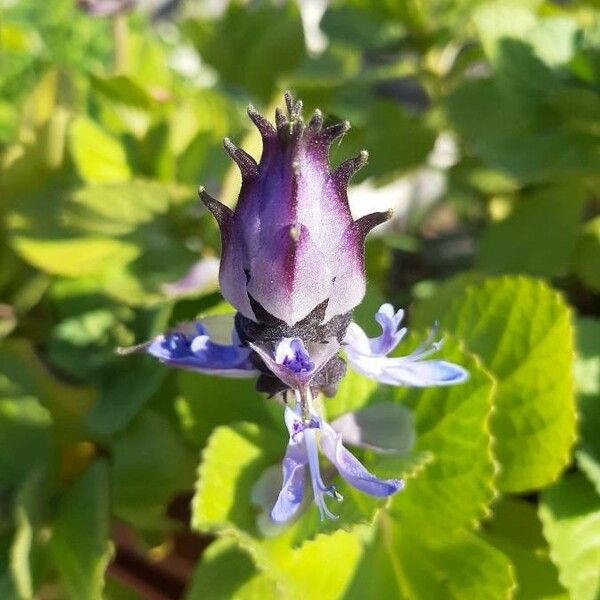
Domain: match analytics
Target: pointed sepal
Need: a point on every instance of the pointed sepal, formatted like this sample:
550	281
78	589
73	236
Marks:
347	169
223	214
246	164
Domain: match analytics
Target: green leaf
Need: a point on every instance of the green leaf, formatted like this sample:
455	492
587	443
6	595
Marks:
429	310
27	439
289	568
587	378
266	35
80	542
354	27
539	236
386	129
498	20
73	257
233	460
386	126
103	230
25	377
516	531
521	119
403	563
522	331
98	157
570	514
150	465
125	390
553	39
227	573
453	425
207	402
29	538
125	104
586	257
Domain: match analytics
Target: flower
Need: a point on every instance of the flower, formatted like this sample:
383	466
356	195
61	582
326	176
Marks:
306	436
292	265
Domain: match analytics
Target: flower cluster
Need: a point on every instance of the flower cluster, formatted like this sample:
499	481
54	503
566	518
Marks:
292	265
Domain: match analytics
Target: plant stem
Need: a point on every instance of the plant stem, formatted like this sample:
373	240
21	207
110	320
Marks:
119	34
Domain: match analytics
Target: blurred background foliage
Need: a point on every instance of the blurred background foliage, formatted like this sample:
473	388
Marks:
482	120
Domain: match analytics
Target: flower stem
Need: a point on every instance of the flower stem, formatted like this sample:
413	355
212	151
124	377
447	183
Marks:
119	35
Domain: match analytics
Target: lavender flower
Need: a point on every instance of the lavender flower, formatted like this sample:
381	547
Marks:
292	265
306	436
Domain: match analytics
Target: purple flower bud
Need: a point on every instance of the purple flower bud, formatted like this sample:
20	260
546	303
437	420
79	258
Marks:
291	245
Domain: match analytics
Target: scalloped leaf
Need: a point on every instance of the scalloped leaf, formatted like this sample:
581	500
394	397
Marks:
522	331
402	563
233	460
452	424
570	514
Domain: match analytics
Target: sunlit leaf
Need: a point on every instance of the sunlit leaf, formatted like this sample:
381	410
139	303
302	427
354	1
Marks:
453	424
522	331
98	156
402	563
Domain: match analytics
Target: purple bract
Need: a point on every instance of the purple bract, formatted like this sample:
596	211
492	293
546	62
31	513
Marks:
292	266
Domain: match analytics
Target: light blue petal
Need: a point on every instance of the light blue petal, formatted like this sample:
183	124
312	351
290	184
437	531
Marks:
391	335
351	469
292	489
400	371
189	346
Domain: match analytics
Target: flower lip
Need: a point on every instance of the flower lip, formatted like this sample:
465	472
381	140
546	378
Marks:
293	363
307	436
189	346
292	354
368	356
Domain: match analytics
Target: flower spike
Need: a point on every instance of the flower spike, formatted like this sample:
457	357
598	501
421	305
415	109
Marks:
292	266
